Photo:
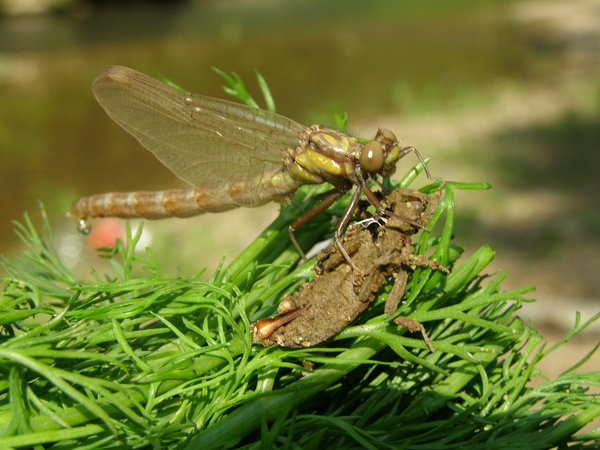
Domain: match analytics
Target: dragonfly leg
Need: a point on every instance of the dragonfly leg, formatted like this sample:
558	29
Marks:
342	225
310	215
407	150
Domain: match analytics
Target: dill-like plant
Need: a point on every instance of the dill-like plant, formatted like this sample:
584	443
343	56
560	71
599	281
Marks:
145	362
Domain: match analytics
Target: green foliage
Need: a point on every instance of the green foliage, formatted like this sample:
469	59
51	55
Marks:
134	362
148	361
238	90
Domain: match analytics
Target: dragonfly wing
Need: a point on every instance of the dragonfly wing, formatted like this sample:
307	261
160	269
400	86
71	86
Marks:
204	141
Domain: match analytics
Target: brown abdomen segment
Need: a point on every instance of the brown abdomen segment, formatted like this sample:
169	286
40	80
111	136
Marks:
276	185
149	205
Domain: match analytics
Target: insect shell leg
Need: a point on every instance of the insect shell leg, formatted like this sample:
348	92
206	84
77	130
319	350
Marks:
414	326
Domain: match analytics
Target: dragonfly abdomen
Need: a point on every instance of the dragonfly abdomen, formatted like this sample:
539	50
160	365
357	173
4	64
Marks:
217	197
149	205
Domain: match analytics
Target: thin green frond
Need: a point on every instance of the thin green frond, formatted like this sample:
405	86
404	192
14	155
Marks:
121	360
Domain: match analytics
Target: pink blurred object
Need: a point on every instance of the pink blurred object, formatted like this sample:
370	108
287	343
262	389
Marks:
105	233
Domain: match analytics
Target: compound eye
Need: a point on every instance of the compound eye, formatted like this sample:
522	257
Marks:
371	158
388	135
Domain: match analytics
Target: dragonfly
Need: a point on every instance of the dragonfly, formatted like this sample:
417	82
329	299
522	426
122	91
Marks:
232	154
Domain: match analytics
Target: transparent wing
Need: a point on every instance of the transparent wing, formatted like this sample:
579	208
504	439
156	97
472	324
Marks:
202	140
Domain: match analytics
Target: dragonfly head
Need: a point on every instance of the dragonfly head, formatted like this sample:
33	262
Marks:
379	156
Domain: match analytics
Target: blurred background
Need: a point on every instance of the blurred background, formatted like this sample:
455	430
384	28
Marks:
501	91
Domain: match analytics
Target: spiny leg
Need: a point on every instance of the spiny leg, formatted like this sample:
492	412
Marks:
342	225
321	207
406	150
310	215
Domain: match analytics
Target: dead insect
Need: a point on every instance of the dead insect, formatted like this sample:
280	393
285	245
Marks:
339	293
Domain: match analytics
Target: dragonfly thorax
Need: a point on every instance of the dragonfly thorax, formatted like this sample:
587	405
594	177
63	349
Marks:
328	155
324	155
331	142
